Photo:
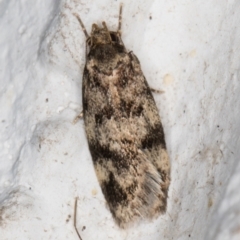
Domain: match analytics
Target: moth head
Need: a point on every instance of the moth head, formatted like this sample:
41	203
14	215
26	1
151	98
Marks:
100	35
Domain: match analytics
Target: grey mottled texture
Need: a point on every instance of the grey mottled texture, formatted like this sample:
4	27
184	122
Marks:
124	130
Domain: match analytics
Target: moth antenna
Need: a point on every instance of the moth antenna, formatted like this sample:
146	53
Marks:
82	25
120	20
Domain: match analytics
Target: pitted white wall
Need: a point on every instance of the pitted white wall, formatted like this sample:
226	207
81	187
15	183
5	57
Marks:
188	49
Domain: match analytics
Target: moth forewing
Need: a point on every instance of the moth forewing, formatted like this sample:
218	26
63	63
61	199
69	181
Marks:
123	128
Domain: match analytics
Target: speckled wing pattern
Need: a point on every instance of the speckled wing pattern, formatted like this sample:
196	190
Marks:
125	134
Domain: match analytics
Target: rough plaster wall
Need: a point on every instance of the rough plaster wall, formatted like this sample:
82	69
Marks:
189	49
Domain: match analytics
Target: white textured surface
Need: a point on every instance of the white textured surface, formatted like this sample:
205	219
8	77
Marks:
189	49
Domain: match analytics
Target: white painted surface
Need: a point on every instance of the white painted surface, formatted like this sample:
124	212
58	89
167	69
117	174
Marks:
189	49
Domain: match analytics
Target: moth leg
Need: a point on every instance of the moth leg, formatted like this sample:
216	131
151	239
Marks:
156	90
75	218
78	117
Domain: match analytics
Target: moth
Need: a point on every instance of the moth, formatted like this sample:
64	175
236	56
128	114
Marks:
123	129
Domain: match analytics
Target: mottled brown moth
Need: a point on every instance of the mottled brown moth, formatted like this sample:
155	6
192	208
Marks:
123	128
